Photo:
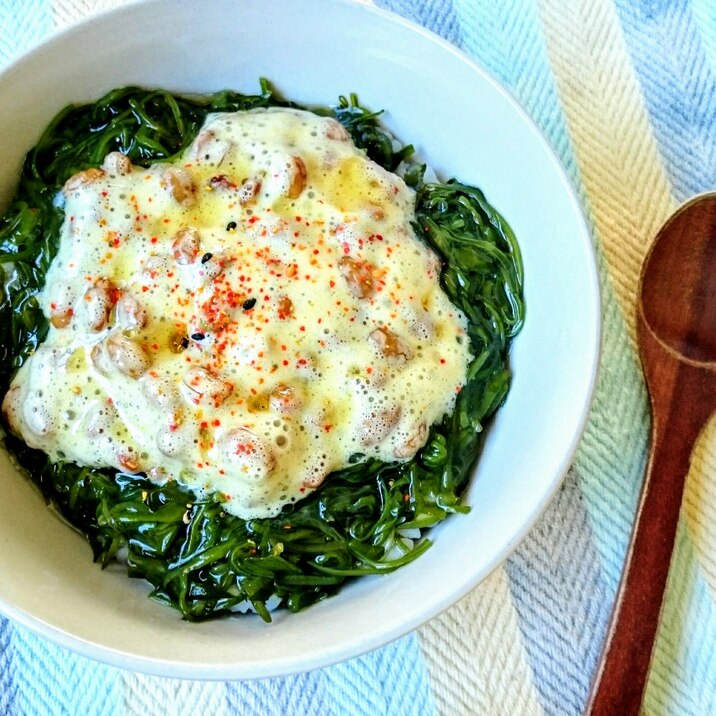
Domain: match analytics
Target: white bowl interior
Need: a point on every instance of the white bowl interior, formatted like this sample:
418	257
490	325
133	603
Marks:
464	125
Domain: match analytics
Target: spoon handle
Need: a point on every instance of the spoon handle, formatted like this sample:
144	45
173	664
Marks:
683	397
621	674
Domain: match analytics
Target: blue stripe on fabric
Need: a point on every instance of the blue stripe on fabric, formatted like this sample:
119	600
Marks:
8	668
24	23
679	88
436	16
390	681
562	601
54	682
365	686
516	55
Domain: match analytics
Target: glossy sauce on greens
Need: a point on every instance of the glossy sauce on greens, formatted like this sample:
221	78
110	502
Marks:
362	520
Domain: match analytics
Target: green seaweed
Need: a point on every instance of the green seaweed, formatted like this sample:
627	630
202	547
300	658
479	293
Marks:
199	559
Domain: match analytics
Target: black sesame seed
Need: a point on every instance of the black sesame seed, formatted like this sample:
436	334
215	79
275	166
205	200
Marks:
249	303
231	225
197	336
206	257
184	343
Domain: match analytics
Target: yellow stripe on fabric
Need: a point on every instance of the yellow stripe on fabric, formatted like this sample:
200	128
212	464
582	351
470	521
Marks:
475	655
630	197
618	158
699	506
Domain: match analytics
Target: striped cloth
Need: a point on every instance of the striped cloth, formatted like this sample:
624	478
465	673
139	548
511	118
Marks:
625	91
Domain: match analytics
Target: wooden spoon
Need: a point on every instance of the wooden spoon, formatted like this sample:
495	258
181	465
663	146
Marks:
676	332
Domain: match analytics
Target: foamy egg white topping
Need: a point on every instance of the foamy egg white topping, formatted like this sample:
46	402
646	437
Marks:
244	320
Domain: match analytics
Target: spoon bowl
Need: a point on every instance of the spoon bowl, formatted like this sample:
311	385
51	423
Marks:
676	333
677	295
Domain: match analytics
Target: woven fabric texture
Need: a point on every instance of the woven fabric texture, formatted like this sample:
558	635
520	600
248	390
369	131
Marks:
625	92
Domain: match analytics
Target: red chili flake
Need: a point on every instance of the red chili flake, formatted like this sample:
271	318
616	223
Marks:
154	239
328	428
332	283
285	362
442	361
145	288
302	328
216	422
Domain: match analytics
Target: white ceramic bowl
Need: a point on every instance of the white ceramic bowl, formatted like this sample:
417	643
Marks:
464	125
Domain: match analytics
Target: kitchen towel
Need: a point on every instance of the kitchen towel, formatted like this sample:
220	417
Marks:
625	92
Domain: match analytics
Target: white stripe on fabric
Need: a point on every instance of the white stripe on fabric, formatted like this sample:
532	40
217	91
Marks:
300	694
475	655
